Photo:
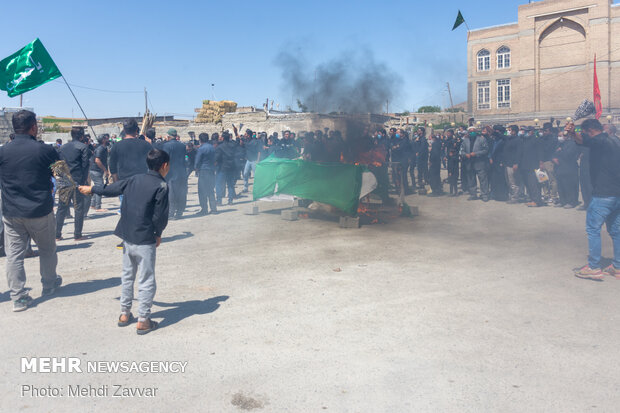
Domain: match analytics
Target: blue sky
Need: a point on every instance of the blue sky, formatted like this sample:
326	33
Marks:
177	49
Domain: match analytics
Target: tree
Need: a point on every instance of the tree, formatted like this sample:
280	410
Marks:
429	109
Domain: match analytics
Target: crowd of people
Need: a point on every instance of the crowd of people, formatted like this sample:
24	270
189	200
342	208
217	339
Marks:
518	164
150	175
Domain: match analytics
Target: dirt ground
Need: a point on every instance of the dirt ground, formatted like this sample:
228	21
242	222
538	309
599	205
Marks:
469	307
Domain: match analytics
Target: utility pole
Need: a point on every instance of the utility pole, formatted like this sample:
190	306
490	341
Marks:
450	93
314	93
21	100
146	100
387	107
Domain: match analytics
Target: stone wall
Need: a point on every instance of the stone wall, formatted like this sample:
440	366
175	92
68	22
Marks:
6	127
256	121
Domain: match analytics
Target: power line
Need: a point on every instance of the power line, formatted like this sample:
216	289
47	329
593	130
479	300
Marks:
102	90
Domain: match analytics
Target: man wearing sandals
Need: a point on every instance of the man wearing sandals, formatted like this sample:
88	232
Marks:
605	205
144	216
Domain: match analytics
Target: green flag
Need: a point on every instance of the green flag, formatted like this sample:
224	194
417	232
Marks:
459	20
27	69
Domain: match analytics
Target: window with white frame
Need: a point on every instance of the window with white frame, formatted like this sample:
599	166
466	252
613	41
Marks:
484	60
503	93
503	57
484	95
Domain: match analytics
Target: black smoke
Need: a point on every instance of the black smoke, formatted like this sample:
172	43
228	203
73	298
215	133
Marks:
353	82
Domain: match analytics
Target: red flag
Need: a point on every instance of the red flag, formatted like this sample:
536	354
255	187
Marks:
597	94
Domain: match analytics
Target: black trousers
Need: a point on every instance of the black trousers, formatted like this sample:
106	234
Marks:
422	174
383	182
464	178
568	188
63	211
206	190
497	180
177	195
434	178
453	175
532	185
398	170
412	166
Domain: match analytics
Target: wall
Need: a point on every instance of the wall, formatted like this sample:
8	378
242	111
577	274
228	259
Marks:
5	126
553	46
256	121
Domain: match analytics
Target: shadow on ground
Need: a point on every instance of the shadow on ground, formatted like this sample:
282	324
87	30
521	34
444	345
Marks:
98	215
76	246
79	288
185	234
184	309
99	234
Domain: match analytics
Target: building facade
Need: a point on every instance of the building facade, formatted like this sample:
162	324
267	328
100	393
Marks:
543	65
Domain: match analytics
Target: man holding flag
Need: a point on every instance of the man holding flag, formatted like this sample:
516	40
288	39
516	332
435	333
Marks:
26	177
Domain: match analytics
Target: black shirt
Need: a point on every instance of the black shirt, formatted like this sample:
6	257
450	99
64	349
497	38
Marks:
550	144
26	177
177	151
532	153
77	156
513	150
128	157
253	149
604	164
101	152
144	210
225	156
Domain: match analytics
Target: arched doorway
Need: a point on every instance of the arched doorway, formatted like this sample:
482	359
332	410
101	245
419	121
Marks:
562	57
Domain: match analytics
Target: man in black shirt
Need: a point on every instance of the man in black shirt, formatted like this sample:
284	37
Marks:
226	168
434	166
27	206
530	161
128	157
550	144
99	168
253	154
513	152
77	156
421	146
566	171
177	178
605	205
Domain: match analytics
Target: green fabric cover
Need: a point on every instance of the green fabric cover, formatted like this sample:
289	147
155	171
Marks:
335	184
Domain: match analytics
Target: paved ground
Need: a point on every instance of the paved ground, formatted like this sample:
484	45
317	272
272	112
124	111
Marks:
469	307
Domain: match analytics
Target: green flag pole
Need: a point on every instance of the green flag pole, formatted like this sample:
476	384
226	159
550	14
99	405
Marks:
80	106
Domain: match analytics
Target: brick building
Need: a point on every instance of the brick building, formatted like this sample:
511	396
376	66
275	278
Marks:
543	65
